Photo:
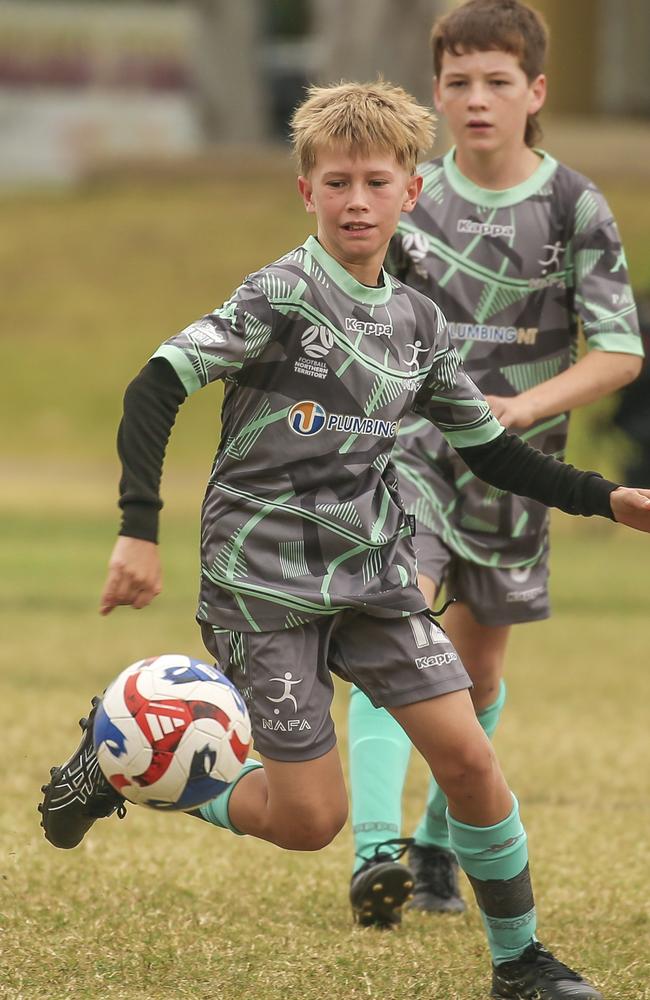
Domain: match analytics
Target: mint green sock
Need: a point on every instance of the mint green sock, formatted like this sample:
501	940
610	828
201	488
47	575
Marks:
379	756
432	830
216	811
495	859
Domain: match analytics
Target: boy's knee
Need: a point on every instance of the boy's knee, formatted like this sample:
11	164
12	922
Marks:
472	766
314	830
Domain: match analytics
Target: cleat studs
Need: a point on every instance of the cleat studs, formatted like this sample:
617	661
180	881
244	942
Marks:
377	887
409	897
44	788
388	899
52	770
408	885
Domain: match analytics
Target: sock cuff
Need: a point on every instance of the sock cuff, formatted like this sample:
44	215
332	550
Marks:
491	852
467	834
216	811
497	704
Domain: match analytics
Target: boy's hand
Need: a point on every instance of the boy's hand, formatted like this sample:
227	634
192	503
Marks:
134	575
511	411
631	507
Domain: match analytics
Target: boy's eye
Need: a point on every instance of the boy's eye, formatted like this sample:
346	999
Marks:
335	184
500	83
378	182
456	84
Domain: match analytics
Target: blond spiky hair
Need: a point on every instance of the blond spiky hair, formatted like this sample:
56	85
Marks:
361	117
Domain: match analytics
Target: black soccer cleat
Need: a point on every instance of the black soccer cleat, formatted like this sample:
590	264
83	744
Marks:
77	793
537	975
381	886
436	880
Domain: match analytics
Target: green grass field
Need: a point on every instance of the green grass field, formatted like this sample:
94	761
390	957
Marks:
163	907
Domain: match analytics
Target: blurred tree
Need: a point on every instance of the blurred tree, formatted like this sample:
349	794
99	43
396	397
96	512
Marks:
360	39
226	67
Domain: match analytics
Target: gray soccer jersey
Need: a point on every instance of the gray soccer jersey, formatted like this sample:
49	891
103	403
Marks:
514	272
302	517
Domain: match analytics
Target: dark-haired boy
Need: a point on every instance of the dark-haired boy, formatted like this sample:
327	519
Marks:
516	249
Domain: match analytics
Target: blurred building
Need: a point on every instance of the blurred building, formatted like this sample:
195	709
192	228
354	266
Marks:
85	82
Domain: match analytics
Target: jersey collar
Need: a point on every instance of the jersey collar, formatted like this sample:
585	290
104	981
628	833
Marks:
498	199
345	281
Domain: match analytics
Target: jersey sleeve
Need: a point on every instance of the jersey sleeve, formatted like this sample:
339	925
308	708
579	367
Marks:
217	345
603	297
452	401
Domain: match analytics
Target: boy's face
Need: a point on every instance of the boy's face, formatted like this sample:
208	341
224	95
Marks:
486	97
357	201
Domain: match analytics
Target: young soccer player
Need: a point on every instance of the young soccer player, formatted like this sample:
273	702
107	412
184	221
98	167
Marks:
515	248
308	566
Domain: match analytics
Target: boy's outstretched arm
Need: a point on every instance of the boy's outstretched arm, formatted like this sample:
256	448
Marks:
510	464
151	403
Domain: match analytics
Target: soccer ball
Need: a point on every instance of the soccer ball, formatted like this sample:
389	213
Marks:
171	732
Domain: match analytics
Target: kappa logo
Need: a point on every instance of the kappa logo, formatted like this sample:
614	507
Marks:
308	417
366	327
475	228
317	341
437	660
519	574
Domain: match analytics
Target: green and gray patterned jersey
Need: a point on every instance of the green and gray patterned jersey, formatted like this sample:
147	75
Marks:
515	273
302	517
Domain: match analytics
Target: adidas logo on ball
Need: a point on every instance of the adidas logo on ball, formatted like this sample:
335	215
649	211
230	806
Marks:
317	341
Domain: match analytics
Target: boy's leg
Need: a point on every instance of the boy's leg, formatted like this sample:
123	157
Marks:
482	649
379	752
379	756
376	653
297	806
489	600
490	842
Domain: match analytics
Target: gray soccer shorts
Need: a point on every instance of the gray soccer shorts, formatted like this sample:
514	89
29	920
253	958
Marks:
285	676
494	595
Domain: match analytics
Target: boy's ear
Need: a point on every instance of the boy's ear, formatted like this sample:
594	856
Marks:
305	189
537	94
436	94
412	193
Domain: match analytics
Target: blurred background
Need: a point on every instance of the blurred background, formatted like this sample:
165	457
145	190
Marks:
85	83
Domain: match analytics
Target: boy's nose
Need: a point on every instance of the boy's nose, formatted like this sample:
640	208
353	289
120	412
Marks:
477	97
358	200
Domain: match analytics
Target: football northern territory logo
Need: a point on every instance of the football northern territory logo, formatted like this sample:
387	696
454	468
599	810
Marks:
309	417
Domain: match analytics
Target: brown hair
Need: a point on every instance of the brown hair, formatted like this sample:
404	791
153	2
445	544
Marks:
363	117
506	25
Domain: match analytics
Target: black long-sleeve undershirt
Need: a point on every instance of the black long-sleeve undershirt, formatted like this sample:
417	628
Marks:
152	401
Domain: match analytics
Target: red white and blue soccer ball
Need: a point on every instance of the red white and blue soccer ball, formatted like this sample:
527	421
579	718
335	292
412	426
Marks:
171	732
